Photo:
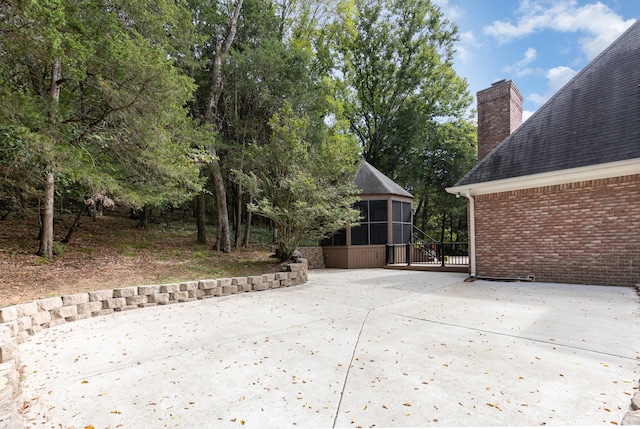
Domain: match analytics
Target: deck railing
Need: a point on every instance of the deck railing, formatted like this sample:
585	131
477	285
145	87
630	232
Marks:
428	253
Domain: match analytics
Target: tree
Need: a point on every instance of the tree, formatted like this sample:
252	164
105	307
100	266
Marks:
306	189
270	60
405	103
395	57
95	99
447	151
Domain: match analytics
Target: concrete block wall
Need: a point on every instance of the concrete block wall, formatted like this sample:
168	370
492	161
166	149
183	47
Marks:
583	232
20	321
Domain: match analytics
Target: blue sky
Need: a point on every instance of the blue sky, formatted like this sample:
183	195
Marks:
538	44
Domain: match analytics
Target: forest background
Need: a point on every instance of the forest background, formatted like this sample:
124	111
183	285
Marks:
229	109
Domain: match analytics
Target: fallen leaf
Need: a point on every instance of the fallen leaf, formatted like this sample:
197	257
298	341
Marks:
84	382
89	427
497	407
406	404
116	412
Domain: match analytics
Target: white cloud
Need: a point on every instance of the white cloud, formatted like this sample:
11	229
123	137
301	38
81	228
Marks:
526	114
599	24
557	77
450	10
466	46
520	68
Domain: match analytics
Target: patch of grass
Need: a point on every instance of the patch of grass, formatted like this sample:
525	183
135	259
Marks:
58	248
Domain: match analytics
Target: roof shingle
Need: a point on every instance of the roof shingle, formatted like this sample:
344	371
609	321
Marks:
371	181
593	119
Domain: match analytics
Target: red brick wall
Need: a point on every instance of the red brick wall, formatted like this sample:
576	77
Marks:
499	114
586	232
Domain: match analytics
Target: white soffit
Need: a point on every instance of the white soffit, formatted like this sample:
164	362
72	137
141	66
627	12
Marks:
581	174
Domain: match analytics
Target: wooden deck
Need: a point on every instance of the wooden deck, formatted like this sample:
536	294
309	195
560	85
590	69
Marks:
429	267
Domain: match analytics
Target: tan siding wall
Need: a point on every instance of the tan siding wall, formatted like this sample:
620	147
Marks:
586	232
355	257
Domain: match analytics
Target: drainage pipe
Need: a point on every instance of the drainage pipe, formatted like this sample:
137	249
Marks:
506	279
472	233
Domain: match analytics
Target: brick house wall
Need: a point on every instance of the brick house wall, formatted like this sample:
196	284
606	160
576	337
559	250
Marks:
585	232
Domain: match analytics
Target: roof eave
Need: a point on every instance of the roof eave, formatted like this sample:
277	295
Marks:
591	172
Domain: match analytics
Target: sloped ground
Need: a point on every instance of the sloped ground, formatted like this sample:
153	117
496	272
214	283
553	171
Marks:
112	252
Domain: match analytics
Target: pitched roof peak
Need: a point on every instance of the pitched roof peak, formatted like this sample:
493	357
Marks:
371	181
593	119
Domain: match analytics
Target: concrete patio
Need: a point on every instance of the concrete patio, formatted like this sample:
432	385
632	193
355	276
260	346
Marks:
352	348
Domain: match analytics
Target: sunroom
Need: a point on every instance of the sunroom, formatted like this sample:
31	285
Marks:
386	218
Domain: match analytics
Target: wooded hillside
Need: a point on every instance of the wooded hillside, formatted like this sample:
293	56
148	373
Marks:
154	105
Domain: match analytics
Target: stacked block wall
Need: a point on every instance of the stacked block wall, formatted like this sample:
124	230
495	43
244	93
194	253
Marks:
314	257
18	322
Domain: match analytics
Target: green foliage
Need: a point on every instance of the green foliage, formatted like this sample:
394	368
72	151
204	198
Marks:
447	151
305	189
368	76
402	97
120	121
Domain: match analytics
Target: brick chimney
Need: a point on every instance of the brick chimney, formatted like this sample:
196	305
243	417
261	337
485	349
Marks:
499	114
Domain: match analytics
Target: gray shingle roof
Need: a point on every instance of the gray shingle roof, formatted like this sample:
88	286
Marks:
593	119
371	181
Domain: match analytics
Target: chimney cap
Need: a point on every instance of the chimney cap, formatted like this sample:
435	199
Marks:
498	82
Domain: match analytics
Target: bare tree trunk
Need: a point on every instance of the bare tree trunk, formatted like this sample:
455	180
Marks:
238	211
46	231
247	230
224	234
74	225
201	218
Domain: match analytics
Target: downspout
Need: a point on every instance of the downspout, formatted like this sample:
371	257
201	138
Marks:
472	234
472	247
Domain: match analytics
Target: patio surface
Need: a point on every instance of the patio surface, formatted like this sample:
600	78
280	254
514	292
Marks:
353	348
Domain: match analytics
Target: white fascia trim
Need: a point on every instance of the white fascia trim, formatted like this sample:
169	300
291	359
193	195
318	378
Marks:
580	174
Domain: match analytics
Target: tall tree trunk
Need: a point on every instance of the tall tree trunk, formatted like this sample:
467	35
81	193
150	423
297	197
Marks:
247	230
222	49
201	219
74	225
238	211
224	234
451	228
444	224
46	231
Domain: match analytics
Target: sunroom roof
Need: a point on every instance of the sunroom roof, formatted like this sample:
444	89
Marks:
371	181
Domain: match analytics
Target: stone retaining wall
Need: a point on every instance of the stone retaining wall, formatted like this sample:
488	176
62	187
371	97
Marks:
314	256
18	322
